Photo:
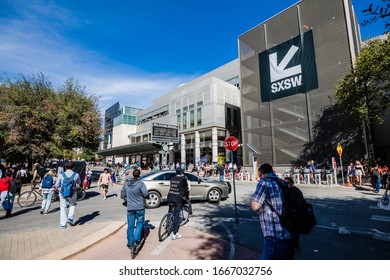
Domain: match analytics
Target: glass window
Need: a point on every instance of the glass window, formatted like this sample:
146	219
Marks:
192	118
184	120
199	117
191	177
166	176
178	121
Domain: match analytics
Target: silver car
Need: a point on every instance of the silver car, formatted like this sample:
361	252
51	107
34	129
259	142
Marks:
158	184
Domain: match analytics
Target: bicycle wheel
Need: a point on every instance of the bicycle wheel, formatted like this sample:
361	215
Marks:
184	215
80	193
27	198
165	227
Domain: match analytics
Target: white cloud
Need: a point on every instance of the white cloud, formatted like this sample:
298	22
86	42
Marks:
32	43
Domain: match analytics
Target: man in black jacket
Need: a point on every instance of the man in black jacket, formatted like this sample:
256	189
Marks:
177	192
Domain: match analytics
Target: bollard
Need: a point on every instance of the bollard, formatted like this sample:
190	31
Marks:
296	178
247	176
307	178
318	179
329	179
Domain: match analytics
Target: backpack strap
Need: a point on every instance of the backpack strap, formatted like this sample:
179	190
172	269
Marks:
278	182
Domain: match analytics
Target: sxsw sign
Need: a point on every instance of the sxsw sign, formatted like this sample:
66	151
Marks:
288	68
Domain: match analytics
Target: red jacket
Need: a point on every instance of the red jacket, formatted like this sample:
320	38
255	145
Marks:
5	183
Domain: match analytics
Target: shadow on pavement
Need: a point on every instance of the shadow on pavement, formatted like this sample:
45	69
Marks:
84	219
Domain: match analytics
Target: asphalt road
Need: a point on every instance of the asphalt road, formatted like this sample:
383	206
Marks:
336	208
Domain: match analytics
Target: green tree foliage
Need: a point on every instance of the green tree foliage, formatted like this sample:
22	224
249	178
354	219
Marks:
364	92
380	11
38	122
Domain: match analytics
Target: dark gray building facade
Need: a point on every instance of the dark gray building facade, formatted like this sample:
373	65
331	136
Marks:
289	65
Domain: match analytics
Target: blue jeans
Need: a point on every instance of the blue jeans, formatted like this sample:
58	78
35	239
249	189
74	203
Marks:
46	201
137	218
176	217
278	249
378	184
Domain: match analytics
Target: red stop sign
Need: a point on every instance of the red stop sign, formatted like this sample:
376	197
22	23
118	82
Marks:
231	143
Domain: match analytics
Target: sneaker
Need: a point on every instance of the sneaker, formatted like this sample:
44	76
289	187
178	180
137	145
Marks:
63	227
70	222
44	213
176	236
41	212
104	197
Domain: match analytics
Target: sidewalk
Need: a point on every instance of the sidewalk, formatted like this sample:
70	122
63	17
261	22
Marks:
54	243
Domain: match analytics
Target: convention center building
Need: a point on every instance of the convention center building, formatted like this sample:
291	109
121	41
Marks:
270	98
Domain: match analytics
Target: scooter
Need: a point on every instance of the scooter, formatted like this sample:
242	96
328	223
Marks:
145	232
137	246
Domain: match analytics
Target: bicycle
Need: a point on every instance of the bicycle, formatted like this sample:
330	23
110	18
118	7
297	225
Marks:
28	198
166	223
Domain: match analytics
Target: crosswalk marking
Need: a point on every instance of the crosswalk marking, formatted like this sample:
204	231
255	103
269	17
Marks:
380	218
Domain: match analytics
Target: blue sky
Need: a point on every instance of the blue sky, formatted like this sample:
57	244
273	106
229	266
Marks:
130	51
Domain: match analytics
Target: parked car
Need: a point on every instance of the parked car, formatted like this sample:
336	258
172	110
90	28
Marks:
158	184
96	174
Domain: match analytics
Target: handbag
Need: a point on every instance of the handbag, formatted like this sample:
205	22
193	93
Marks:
7	202
384	202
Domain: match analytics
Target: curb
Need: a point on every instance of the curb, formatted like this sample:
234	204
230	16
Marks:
83	244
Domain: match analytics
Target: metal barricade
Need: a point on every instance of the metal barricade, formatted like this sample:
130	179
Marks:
317	176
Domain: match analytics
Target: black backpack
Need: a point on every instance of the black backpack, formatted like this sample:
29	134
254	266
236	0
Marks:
16	185
297	214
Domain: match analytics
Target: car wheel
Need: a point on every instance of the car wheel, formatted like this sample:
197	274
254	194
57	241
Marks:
153	201
214	195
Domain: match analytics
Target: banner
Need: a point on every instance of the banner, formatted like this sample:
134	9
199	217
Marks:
289	68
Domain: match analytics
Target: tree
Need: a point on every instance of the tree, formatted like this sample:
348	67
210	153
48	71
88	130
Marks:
380	11
38	122
364	92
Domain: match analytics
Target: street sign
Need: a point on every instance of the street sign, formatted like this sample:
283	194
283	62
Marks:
231	143
339	149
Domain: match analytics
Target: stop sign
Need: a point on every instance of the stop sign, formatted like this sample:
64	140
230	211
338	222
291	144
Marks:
231	143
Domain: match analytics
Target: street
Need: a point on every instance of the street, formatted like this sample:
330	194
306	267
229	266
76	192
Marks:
339	210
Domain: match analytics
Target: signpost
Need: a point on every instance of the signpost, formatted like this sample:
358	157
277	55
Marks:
231	144
340	151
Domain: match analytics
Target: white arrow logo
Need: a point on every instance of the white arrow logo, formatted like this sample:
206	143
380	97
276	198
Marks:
279	72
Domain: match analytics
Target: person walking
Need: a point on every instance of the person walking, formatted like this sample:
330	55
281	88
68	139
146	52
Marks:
359	173
134	194
71	200
221	171
7	196
47	189
376	178
104	181
278	242
177	193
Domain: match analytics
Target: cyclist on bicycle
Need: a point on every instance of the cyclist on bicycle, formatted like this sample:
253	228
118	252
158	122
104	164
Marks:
134	194
177	195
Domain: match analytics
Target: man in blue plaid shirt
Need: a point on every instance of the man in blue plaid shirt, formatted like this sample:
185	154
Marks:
278	242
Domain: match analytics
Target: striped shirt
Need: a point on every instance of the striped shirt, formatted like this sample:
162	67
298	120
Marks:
268	190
